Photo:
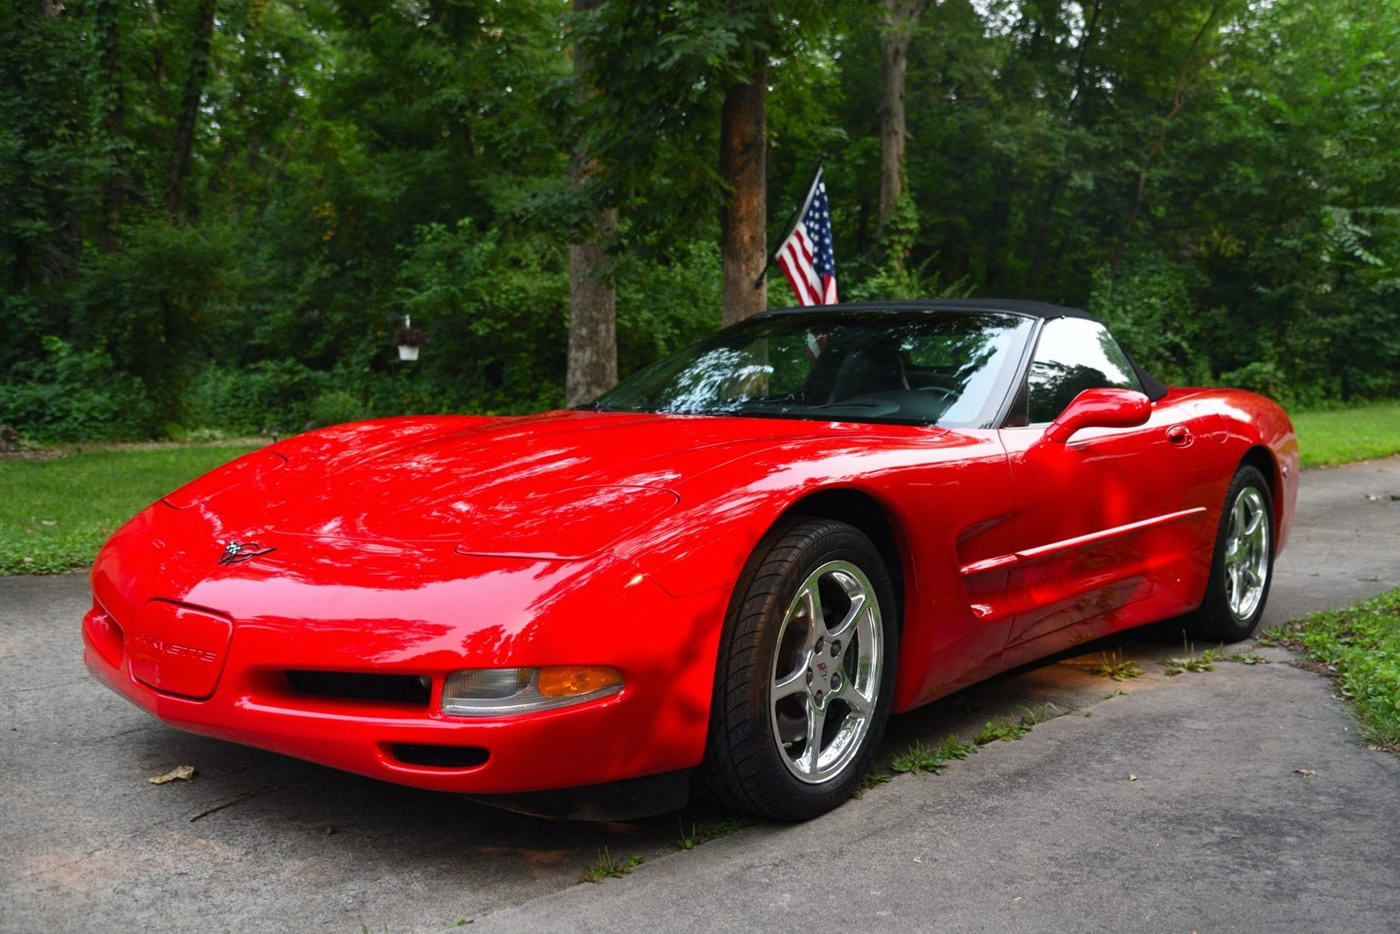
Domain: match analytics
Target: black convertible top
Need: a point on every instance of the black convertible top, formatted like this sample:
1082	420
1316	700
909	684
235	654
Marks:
1151	386
1016	306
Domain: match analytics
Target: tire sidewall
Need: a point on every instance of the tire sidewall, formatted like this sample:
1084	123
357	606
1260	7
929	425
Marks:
1216	619
836	542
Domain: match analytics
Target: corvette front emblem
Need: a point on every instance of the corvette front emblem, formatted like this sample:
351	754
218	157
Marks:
235	552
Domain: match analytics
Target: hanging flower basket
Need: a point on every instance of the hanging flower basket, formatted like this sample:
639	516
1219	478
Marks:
410	341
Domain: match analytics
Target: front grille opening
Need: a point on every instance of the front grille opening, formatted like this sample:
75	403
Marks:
354	685
442	757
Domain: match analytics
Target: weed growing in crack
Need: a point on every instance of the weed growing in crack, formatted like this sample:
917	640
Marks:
1117	667
607	867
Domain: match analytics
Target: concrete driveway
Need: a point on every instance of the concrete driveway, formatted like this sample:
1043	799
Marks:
1231	800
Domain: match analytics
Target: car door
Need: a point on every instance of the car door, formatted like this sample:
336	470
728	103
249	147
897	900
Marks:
1107	519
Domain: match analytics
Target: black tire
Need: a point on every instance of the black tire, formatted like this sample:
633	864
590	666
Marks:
755	759
1223	616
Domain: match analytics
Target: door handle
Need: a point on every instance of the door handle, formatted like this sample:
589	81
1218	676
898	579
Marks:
1180	435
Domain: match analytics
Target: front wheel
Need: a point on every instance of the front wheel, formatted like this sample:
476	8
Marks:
1243	564
805	673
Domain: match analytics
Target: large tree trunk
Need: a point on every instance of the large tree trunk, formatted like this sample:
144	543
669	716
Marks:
592	366
592	363
195	75
897	21
744	217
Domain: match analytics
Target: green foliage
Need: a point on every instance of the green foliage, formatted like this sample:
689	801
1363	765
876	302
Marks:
334	407
496	314
1116	667
921	758
1361	647
267	396
896	277
1191	661
70	395
610	867
1011	728
1148	307
354	162
662	307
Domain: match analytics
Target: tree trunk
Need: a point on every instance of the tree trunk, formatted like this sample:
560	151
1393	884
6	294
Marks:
897	21
744	217
195	76
592	361
592	368
108	18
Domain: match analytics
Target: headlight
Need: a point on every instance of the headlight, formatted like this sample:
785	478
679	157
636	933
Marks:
494	692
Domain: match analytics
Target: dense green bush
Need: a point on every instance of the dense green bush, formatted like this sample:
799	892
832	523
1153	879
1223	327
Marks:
1149	309
266	396
67	395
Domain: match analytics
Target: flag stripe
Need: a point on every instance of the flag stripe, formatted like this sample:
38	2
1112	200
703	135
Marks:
806	257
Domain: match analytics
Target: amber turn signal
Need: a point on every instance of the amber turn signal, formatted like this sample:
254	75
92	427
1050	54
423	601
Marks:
496	692
570	680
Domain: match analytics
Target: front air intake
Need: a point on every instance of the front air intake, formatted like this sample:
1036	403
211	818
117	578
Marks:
354	685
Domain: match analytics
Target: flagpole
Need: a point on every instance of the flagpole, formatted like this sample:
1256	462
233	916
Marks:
792	219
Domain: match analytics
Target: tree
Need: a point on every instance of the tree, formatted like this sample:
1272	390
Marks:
898	18
196	72
592	366
743	218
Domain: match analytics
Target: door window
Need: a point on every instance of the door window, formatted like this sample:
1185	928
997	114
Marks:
1072	355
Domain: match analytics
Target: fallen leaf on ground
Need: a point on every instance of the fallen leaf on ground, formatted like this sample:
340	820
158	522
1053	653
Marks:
181	773
1306	771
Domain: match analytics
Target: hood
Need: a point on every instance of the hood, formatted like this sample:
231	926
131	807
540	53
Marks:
559	485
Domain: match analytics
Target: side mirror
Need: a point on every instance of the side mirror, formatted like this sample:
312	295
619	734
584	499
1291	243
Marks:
1100	408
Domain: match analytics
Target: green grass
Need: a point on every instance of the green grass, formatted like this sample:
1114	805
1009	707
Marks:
920	758
1360	645
1344	435
56	513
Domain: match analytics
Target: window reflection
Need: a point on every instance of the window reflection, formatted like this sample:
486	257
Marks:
1072	355
928	367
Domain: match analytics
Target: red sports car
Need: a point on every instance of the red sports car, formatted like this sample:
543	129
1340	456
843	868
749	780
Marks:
728	570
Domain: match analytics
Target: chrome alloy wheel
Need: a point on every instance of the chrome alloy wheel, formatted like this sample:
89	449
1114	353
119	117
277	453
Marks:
825	679
1247	553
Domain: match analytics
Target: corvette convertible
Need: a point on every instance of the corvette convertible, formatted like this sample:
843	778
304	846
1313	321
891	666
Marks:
726	573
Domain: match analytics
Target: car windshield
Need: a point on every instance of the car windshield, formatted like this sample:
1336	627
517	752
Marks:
947	368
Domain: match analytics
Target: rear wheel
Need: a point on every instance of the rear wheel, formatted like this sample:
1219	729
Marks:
805	674
1242	568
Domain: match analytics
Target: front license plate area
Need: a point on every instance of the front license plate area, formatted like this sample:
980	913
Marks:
179	649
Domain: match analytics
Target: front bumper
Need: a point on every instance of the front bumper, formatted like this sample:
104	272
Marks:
664	646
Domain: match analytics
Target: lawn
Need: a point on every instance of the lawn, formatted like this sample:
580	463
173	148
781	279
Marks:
1344	435
56	513
1360	647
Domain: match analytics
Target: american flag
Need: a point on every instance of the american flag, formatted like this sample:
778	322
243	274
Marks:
805	256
